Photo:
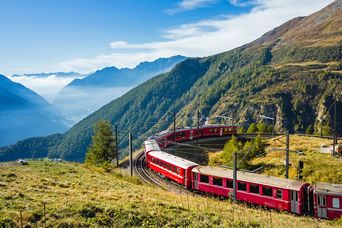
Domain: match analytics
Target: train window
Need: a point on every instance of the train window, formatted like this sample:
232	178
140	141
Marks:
254	188
218	181
229	183
267	191
178	170
279	194
336	202
242	186
210	130
204	179
174	169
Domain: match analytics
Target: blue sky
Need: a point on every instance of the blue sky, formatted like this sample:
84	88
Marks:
85	35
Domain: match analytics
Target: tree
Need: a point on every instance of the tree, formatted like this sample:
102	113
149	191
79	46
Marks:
252	128
309	130
262	128
103	146
242	130
232	146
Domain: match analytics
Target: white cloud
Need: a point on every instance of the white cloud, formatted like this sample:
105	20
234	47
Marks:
243	3
205	37
186	5
47	87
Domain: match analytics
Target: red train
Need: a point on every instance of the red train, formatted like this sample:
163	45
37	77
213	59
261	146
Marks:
321	200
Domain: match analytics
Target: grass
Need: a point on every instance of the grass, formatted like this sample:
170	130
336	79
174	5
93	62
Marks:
76	195
318	167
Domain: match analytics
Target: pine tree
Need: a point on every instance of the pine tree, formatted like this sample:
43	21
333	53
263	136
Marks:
252	128
262	128
102	150
232	146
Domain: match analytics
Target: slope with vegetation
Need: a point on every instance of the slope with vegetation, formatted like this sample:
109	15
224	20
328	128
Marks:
284	73
318	167
72	195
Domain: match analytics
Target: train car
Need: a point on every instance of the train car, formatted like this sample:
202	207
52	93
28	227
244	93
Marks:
218	130
165	138
174	168
277	193
328	200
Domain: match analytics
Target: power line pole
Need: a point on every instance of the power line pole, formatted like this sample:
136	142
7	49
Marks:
287	155
174	132
335	128
116	145
130	152
234	175
198	125
273	129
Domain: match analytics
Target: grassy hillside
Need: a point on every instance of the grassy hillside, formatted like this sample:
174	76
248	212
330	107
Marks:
268	76
318	167
75	195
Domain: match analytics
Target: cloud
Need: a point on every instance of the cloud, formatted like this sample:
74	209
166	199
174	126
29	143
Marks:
204	37
243	3
186	5
47	87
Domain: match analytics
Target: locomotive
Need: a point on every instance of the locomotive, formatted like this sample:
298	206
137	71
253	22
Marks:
322	200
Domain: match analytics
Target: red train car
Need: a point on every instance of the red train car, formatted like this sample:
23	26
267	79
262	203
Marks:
187	134
174	168
328	200
282	194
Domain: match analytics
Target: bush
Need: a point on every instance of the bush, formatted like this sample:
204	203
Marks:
252	128
6	222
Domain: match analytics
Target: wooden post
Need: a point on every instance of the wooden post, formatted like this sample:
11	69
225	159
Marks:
130	152
234	176
116	146
198	124
287	155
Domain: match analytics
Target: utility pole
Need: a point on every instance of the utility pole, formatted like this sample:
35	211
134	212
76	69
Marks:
130	152
335	130
273	129
234	176
174	132
116	145
198	125
287	155
300	170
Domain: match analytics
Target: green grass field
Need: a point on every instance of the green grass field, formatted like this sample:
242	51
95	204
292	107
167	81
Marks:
76	195
318	167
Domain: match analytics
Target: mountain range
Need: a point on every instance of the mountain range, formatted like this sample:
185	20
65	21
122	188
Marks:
293	73
24	114
83	96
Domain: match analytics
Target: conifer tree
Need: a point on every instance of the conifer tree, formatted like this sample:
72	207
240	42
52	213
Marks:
103	146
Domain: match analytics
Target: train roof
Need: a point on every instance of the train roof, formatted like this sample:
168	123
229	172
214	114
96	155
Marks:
250	177
180	162
328	188
151	145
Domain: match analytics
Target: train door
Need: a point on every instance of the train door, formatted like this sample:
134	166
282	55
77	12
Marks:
294	202
195	181
308	201
321	206
191	134
221	131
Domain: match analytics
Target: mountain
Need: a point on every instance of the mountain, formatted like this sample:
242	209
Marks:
83	96
23	114
285	73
